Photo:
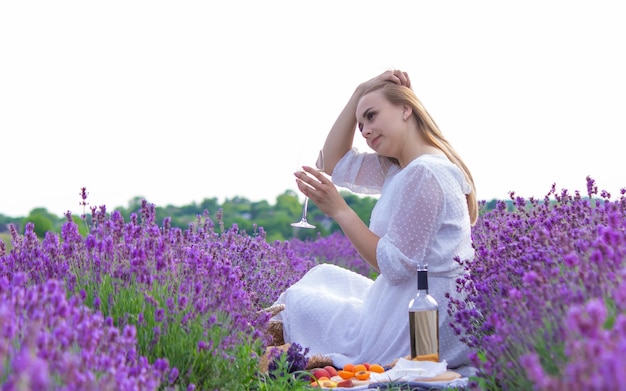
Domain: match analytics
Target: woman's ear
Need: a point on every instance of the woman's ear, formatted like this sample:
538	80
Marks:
406	112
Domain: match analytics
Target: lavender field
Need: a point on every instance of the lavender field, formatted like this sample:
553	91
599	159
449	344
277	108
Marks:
140	305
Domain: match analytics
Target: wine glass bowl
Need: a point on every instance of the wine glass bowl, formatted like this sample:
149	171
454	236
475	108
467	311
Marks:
303	223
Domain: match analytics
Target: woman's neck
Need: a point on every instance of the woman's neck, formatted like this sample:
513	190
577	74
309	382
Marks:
417	151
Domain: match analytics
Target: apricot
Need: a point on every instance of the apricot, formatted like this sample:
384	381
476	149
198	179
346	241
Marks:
349	367
345	374
377	368
359	368
328	384
362	375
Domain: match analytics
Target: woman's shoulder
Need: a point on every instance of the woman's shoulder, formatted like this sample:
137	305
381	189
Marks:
431	158
428	163
439	167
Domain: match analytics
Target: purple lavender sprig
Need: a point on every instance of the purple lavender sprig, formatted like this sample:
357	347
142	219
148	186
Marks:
595	346
167	283
532	264
295	358
335	249
50	342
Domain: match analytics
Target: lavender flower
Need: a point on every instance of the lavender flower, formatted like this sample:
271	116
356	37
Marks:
544	293
335	249
45	336
296	360
535	265
595	352
142	275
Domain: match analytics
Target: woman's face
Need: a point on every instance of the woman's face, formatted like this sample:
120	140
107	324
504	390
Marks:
380	123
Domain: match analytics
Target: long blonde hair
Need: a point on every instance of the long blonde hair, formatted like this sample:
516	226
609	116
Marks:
401	95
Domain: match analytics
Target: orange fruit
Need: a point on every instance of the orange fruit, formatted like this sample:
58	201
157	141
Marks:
345	374
359	368
362	375
348	367
376	368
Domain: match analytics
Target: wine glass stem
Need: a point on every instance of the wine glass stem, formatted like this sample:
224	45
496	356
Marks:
304	209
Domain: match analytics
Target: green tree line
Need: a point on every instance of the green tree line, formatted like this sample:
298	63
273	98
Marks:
247	215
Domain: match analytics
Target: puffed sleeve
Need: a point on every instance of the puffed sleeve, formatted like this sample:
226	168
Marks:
413	223
361	172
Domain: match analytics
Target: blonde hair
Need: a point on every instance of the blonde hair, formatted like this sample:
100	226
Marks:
402	95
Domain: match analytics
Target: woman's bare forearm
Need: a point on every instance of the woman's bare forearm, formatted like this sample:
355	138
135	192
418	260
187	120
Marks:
341	136
362	238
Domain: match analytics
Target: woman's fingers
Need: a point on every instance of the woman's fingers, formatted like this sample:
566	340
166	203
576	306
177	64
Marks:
405	79
311	176
401	78
320	189
316	173
311	182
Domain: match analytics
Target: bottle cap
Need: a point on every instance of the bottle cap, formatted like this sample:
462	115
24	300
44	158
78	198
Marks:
422	280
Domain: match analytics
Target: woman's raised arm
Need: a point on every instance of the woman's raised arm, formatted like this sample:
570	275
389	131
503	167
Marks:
341	136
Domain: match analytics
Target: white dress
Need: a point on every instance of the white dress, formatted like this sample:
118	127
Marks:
421	218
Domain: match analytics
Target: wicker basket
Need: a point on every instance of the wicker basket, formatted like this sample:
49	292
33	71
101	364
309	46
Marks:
275	331
275	328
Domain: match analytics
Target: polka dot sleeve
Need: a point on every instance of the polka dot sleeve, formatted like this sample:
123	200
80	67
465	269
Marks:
413	223
361	172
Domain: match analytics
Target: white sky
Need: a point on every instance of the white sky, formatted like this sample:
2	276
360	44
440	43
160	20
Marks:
180	101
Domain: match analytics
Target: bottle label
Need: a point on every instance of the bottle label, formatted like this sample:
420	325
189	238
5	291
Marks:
424	331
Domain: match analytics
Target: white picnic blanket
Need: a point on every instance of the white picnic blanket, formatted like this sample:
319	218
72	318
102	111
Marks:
409	370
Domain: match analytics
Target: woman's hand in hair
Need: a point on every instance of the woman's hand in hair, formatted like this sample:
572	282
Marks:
394	76
400	77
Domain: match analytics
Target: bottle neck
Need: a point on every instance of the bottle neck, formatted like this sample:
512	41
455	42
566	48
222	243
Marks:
422	281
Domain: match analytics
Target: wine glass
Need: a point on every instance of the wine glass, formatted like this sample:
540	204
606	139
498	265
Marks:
303	223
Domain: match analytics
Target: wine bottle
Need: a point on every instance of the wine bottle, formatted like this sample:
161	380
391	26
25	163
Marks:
424	320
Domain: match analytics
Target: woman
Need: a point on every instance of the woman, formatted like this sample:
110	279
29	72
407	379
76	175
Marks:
423	217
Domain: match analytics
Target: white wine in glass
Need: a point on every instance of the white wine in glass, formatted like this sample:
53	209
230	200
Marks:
303	223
